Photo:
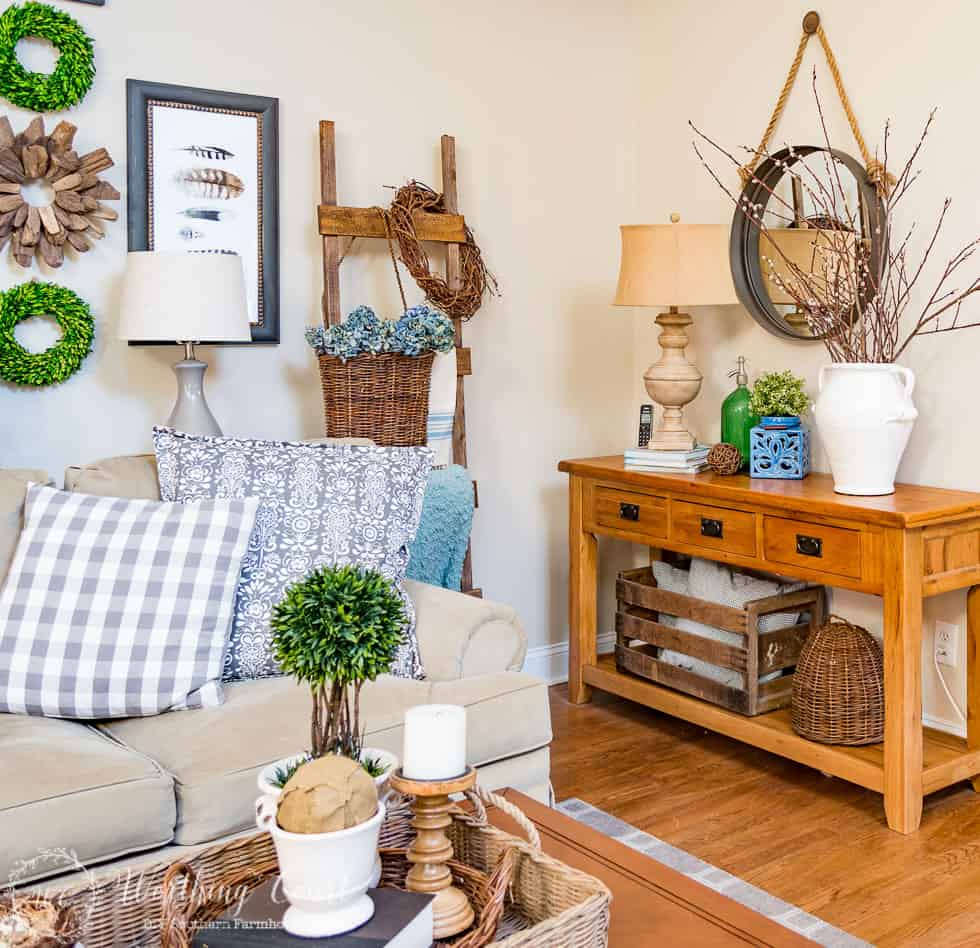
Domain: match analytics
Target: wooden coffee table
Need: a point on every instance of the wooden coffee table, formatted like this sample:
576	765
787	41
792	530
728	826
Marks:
653	905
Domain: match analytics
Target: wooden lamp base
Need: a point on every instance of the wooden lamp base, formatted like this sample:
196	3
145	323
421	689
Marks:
672	382
431	850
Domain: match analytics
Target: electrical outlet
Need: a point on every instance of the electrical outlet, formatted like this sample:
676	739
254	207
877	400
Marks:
946	643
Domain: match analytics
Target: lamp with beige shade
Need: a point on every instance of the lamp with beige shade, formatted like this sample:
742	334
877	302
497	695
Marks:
673	265
812	250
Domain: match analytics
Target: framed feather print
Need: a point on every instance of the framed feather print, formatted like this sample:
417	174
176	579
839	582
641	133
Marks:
204	178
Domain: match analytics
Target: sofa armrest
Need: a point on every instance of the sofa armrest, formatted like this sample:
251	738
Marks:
462	636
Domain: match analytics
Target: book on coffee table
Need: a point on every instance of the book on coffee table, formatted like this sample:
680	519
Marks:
401	920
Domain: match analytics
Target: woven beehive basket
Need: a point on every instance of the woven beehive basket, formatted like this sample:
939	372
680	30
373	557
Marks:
383	396
838	688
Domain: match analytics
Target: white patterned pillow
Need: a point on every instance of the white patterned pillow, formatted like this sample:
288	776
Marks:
321	504
119	608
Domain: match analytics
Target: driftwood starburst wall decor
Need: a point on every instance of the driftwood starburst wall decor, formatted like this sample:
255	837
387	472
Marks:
70	212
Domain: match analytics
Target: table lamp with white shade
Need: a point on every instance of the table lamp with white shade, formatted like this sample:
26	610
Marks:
672	265
185	299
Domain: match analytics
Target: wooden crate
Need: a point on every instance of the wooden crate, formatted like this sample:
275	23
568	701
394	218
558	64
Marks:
640	602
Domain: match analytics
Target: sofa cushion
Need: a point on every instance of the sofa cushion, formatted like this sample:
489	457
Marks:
66	786
215	754
133	475
13	490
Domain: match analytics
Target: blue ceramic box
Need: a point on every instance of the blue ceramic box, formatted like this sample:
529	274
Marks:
779	447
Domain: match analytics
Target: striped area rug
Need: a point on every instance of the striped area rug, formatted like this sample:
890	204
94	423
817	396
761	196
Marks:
790	916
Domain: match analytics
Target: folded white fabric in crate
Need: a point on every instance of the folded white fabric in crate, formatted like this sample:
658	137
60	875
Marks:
717	583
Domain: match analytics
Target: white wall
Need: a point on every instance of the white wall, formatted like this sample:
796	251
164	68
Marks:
709	64
538	96
570	118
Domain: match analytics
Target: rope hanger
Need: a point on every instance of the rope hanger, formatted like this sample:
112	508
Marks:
877	173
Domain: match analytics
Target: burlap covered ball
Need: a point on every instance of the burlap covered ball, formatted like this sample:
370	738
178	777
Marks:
328	794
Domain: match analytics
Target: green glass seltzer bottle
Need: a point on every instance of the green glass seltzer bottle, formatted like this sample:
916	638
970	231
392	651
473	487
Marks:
736	418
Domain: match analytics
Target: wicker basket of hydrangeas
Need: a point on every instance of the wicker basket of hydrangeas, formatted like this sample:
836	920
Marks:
375	373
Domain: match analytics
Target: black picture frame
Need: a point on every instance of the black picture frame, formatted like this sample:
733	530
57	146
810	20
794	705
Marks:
139	95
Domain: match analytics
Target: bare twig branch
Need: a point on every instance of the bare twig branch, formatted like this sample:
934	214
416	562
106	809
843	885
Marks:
855	291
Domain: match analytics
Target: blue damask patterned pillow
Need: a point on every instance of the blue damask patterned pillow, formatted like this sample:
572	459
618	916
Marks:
321	504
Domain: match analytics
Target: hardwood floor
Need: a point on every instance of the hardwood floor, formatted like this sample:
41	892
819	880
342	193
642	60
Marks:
815	841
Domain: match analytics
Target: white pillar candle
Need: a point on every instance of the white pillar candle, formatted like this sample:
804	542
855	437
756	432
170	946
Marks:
435	742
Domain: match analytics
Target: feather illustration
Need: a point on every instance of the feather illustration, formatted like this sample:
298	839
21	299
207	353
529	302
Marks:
206	214
229	252
211	183
211	152
188	233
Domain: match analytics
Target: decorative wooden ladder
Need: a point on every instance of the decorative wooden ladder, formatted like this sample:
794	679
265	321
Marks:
341	226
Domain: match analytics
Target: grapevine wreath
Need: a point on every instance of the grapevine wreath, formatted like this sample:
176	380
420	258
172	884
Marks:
73	73
21	367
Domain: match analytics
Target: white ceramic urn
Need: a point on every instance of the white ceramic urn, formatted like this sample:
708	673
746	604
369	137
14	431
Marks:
268	787
325	876
864	414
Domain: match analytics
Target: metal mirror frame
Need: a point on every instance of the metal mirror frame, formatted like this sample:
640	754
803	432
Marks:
750	282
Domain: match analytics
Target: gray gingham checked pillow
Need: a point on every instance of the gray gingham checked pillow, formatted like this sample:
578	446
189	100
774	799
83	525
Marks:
321	504
119	608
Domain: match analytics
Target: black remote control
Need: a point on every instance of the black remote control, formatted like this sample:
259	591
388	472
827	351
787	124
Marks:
646	425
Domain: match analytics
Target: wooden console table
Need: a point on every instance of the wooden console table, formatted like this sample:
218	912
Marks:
917	542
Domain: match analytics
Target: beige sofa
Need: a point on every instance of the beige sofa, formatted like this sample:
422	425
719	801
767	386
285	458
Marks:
154	786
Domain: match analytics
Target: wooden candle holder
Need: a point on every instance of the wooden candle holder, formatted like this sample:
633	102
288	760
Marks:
431	849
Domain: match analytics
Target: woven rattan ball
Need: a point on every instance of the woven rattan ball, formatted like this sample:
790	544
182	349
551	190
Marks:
725	458
838	687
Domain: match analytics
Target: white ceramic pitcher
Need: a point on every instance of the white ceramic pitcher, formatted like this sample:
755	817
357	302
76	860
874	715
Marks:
864	414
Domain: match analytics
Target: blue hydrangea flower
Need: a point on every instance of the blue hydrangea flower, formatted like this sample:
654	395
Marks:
314	336
420	329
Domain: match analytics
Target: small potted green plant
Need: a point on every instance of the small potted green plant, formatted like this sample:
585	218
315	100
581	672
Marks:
334	630
779	446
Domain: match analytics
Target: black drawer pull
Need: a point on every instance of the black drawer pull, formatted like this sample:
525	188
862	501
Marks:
629	511
712	528
809	546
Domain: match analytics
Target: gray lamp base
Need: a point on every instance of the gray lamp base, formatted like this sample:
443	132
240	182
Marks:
191	413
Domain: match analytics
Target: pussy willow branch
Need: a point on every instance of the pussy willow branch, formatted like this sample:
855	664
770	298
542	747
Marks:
857	305
827	326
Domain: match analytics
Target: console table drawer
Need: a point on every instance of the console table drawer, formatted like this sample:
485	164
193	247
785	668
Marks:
715	528
834	550
636	513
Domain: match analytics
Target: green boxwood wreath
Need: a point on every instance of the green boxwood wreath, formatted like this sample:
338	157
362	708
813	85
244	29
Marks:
73	73
22	367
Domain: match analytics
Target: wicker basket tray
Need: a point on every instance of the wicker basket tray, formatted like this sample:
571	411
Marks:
546	903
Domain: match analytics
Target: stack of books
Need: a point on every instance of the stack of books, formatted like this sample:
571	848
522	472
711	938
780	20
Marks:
667	462
401	920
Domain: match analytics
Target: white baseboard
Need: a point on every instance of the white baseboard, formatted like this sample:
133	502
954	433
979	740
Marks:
550	662
941	724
